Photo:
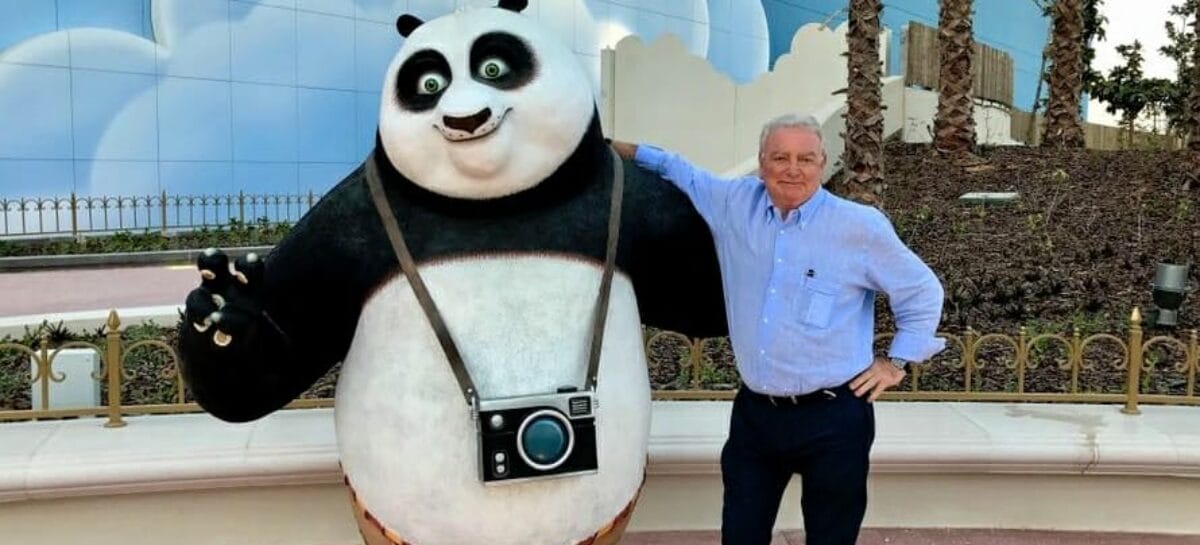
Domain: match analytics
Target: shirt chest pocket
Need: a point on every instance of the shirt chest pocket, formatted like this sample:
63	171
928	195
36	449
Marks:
814	307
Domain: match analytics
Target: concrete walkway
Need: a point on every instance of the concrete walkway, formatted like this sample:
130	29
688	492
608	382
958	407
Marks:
881	536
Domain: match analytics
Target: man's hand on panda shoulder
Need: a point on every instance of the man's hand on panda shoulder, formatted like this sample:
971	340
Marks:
625	150
227	304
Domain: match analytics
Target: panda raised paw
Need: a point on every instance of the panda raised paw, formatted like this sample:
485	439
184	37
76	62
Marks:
226	305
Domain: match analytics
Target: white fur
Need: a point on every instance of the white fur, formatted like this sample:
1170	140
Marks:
522	323
533	129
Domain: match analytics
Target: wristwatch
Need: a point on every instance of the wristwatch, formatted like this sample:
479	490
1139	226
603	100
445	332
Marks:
901	363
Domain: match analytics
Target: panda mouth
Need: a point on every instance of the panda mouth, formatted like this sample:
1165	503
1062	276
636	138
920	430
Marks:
473	127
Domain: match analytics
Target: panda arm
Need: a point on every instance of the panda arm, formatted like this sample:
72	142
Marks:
671	257
310	300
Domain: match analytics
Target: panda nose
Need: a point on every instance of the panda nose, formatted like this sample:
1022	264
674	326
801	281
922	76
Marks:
469	123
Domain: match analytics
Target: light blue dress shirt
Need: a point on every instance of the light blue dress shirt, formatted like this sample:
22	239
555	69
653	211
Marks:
800	291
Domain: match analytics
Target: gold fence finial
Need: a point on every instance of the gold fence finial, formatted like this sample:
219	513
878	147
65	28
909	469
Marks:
1134	361
113	361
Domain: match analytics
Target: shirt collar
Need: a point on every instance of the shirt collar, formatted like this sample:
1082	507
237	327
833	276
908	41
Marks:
804	212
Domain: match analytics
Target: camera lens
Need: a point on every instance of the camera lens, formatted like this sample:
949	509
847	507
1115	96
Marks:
545	439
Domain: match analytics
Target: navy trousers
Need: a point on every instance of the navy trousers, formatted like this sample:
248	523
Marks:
824	437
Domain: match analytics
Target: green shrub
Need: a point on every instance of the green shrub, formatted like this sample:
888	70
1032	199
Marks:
237	233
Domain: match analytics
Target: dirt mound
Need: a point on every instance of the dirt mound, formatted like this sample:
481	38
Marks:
1078	248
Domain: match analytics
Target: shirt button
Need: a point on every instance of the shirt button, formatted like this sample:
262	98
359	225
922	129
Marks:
772	290
764	320
761	352
780	260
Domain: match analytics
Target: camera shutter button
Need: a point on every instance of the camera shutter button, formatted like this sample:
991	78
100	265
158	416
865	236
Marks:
496	422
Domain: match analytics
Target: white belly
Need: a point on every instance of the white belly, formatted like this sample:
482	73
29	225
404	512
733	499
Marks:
522	323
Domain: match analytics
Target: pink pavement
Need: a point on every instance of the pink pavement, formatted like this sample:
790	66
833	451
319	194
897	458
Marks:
70	290
886	536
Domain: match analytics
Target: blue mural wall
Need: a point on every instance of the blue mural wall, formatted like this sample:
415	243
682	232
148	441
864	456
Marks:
138	97
1016	27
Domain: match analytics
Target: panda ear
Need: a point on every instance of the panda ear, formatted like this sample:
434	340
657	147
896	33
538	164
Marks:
406	24
514	5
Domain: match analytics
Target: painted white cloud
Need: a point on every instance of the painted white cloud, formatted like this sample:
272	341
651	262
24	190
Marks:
739	45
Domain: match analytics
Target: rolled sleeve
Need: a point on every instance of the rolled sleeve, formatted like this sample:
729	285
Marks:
915	346
914	292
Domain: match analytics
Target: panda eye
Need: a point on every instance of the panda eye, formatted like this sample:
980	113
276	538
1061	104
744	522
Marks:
431	83
493	68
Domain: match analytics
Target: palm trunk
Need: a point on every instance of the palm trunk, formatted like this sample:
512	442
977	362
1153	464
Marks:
1193	115
863	156
1193	105
1031	133
1064	128
954	125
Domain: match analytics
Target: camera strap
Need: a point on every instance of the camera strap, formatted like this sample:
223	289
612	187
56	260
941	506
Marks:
453	356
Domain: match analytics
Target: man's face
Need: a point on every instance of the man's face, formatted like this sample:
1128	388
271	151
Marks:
791	163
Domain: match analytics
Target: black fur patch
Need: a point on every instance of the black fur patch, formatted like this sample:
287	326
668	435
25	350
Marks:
406	24
514	5
412	92
509	49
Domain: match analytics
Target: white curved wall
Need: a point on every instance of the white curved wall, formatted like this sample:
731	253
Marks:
192	480
993	124
704	115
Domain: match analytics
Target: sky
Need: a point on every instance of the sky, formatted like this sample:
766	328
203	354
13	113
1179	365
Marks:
1130	20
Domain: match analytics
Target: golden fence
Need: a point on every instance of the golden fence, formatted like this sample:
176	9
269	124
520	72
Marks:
75	215
1134	365
992	68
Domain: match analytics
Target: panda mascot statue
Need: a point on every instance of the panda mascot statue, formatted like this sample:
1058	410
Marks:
483	278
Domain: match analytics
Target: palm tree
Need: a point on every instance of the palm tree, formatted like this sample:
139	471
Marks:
863	156
954	125
1193	116
1064	128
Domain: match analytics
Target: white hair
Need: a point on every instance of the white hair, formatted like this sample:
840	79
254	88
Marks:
790	121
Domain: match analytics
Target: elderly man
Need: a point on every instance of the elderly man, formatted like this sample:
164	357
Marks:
800	268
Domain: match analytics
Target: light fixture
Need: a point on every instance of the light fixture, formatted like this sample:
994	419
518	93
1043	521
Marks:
1169	289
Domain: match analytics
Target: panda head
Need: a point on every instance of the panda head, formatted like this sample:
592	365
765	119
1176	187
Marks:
482	103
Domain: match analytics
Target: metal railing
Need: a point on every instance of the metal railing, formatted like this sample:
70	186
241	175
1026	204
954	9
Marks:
76	215
695	362
1135	367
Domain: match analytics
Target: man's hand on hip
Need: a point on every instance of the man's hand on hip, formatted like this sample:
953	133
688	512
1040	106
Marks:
880	376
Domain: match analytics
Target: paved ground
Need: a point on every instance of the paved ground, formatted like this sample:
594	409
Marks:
32	293
39	292
874	536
